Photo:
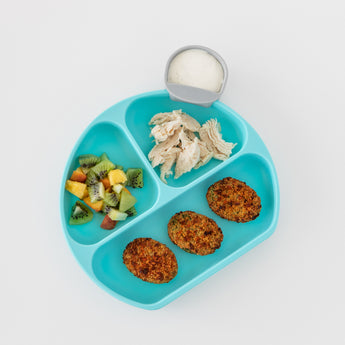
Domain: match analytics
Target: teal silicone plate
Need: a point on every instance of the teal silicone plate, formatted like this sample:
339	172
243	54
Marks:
122	132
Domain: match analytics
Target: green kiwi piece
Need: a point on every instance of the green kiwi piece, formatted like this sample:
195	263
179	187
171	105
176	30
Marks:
88	161
135	177
106	208
132	211
85	170
91	178
117	188
96	191
126	201
102	168
81	214
104	157
111	198
115	214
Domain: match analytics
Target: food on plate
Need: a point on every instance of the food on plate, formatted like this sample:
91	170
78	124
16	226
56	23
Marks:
150	260
101	185
108	223
76	188
104	157
233	200
78	175
182	141
127	200
106	208
132	211
102	169
106	183
96	191
91	178
117	176
135	178
86	162
188	157
97	206
117	188
112	199
197	68
210	135
80	214
195	233
115	214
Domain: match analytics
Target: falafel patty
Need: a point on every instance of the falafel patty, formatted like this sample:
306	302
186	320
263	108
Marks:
195	233
233	200
150	260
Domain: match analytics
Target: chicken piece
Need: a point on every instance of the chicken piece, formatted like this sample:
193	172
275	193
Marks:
169	159
205	155
185	139
190	135
177	143
189	122
188	158
165	130
156	155
161	118
209	134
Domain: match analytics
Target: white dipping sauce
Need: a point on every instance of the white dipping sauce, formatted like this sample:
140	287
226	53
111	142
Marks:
197	68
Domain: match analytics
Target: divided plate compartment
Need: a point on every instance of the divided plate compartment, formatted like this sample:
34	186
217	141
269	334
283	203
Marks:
123	132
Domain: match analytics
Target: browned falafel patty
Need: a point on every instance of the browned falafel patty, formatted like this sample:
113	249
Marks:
233	200
150	260
195	233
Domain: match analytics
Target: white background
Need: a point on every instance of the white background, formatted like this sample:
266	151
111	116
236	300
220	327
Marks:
64	62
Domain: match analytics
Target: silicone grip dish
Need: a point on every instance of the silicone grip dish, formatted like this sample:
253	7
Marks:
122	132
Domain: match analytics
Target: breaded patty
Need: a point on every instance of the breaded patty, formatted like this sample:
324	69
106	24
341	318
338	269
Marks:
150	260
233	200
195	233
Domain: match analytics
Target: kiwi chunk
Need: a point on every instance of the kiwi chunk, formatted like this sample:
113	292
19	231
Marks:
88	161
85	170
81	214
106	208
117	188
104	157
91	178
132	212
135	177
111	198
102	168
96	191
117	215
126	201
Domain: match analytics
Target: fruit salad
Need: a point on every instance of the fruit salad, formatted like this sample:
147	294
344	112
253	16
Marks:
102	185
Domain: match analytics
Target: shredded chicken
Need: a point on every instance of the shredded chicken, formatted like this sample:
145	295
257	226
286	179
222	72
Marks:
175	134
158	152
209	133
161	118
188	157
187	121
190	123
190	135
205	155
169	160
165	130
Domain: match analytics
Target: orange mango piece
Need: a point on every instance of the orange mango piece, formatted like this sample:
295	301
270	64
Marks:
97	206
78	176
